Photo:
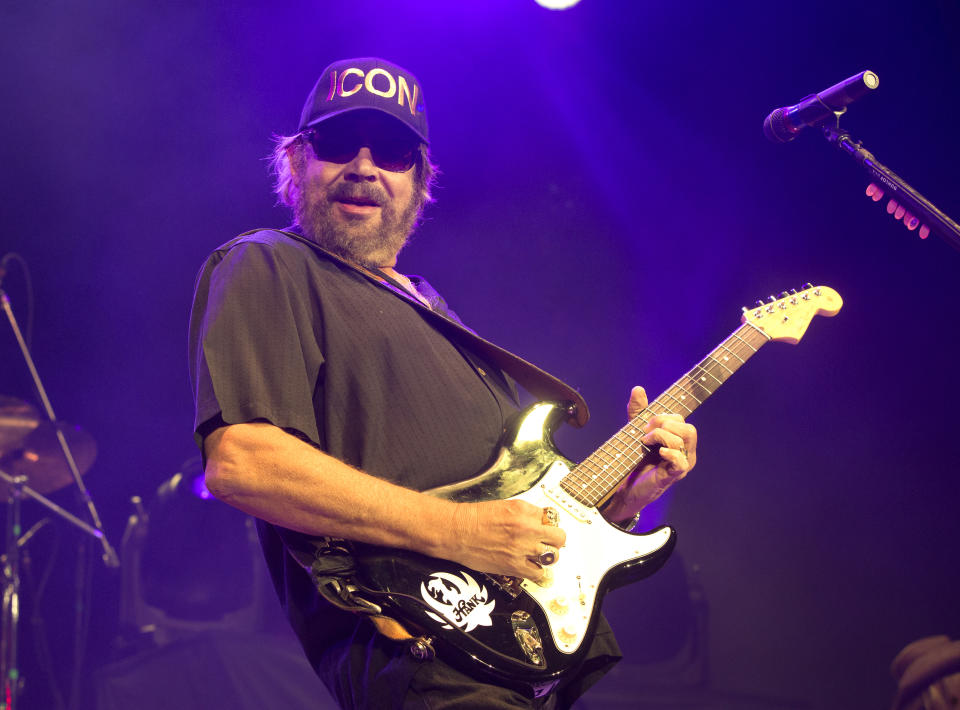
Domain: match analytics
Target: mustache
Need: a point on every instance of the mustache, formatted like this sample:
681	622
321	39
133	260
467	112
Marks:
358	192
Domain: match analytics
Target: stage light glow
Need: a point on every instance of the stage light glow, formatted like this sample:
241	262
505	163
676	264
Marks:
198	487
557	4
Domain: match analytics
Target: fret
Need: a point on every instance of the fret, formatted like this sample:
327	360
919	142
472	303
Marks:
603	470
705	370
679	403
685	392
724	367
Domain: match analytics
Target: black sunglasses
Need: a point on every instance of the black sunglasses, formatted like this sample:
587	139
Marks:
390	151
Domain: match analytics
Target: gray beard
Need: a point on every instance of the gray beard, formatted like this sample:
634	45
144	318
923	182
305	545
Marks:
359	242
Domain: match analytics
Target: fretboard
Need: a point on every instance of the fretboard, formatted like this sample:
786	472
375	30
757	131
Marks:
603	470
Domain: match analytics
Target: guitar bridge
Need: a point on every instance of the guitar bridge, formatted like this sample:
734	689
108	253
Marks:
510	585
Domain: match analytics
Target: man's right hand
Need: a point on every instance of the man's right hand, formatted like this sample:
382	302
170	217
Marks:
267	473
502	537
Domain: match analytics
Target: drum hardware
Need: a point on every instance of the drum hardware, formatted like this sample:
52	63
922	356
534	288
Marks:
36	457
17	419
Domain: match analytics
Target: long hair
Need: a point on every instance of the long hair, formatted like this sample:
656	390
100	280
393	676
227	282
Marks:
290	149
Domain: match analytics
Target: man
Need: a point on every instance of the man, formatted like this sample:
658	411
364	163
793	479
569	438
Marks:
329	392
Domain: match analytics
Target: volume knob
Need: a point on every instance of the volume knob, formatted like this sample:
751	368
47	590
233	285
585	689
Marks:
559	605
568	633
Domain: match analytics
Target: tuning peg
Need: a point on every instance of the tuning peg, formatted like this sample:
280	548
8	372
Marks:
793	292
759	303
807	285
771	299
784	294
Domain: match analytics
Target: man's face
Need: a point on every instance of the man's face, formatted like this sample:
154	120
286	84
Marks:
357	208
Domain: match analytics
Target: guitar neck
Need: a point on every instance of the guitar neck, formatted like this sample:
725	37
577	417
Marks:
600	473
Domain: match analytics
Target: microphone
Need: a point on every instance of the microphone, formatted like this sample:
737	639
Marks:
783	124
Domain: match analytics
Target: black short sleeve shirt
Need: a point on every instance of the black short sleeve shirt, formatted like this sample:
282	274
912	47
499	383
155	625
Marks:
280	333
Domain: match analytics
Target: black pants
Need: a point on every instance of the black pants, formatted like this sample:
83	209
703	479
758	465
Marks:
437	686
369	672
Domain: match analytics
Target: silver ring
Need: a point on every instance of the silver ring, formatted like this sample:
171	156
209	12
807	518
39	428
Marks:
548	556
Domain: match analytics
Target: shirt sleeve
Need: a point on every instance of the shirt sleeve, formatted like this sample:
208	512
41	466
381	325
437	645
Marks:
254	353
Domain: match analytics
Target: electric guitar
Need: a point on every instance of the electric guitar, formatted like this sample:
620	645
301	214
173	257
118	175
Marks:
526	634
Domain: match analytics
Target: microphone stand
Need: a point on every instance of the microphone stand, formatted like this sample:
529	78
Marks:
10	681
904	194
110	558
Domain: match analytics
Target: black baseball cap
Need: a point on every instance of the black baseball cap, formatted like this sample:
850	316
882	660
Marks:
367	83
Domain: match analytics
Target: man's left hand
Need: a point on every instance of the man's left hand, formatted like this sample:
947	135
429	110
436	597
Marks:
677	456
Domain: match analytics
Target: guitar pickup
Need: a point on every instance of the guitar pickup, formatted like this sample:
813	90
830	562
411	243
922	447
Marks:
566	501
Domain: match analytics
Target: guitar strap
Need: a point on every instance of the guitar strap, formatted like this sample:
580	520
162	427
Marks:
536	381
329	561
330	564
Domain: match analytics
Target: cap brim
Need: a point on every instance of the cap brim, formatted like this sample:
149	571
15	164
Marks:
351	109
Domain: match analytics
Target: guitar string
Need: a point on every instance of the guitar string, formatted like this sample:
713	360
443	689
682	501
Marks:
592	479
598	466
606	469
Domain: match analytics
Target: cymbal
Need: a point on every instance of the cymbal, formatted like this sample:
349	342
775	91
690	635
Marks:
40	458
17	419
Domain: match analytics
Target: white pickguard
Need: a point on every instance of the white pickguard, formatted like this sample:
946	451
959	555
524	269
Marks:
593	547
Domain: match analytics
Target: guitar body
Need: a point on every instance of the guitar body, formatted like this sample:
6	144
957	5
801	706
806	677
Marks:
527	635
521	633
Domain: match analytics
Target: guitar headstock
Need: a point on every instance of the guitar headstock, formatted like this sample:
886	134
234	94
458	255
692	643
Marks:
786	318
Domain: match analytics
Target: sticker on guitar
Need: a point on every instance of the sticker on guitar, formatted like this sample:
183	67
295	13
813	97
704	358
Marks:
458	599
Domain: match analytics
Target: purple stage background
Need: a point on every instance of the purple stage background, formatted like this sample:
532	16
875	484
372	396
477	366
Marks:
607	204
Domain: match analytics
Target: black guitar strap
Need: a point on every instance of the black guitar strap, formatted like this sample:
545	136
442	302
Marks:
329	561
536	381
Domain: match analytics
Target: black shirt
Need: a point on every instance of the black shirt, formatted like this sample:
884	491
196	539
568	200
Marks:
282	333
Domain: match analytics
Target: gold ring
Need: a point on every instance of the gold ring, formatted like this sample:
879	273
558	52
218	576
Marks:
550	517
